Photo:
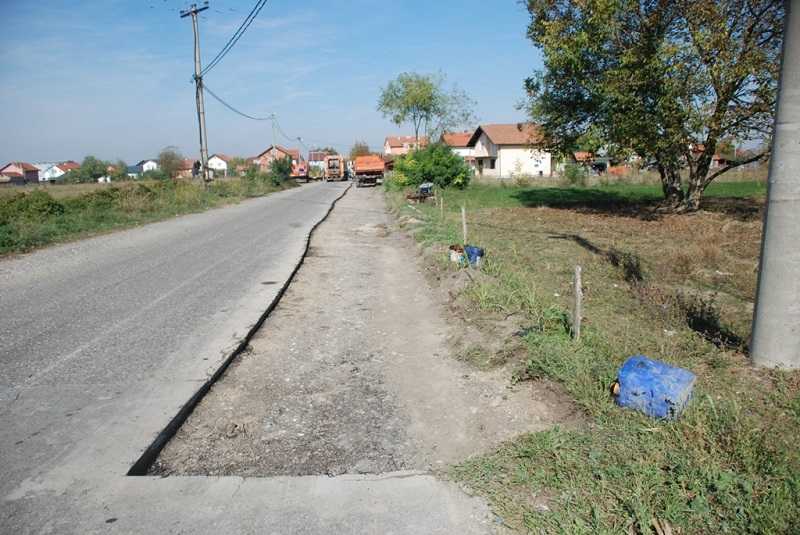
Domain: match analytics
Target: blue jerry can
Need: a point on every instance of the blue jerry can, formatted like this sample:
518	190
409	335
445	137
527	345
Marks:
658	389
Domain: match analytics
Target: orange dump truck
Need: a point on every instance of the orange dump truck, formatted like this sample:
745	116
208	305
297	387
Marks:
334	168
368	170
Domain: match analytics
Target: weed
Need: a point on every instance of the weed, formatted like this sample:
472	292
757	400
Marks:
730	463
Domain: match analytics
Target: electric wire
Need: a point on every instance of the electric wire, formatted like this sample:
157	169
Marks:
246	24
218	99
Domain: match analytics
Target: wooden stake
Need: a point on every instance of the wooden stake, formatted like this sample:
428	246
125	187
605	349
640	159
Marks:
576	305
464	223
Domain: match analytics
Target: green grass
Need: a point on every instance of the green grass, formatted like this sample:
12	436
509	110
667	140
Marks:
34	217
729	463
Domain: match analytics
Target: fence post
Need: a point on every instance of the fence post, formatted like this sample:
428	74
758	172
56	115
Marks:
576	304
464	223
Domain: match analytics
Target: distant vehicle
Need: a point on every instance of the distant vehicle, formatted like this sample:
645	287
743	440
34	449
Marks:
334	167
368	170
300	171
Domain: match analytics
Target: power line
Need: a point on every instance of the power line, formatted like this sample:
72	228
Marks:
234	109
246	24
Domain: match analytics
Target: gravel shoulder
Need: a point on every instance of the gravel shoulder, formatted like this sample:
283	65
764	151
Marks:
354	371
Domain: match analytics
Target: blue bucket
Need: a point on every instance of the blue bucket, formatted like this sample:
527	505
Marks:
658	389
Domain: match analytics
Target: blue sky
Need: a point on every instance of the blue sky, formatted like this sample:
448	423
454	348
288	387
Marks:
113	78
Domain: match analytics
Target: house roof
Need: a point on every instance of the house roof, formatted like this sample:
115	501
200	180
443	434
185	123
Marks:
21	165
317	155
292	153
456	139
399	141
507	134
224	158
582	157
69	166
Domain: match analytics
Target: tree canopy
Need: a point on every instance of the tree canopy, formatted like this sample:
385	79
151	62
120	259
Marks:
422	100
359	149
169	161
665	80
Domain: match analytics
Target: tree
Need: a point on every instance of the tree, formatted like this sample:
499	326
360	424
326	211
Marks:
359	149
663	79
423	101
169	161
91	169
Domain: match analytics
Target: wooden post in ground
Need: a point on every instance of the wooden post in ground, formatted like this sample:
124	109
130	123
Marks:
576	305
464	223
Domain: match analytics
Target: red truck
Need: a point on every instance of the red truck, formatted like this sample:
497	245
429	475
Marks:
300	171
368	170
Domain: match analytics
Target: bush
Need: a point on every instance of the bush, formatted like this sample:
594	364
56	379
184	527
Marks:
436	163
575	175
34	205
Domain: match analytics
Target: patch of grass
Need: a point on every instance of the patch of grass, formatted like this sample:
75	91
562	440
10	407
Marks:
678	289
41	216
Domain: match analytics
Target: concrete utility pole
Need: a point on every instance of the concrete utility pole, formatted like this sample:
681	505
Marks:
775	340
198	81
273	136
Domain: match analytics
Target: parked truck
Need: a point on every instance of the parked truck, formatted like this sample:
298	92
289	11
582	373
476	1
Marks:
300	171
368	170
334	168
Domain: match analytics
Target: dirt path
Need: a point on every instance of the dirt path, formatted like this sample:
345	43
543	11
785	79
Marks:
354	372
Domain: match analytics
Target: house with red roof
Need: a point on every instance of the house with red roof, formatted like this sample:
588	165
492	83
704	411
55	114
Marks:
504	150
393	145
458	143
19	173
219	164
57	170
265	159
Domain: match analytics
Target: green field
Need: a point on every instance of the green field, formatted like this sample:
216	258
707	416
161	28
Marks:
676	288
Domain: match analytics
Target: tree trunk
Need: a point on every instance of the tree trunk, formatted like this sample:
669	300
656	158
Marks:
671	184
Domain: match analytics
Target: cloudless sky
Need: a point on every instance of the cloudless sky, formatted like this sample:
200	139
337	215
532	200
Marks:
113	78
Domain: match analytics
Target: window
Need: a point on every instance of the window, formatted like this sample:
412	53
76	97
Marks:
492	164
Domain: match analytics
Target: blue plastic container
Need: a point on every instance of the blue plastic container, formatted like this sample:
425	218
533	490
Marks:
658	389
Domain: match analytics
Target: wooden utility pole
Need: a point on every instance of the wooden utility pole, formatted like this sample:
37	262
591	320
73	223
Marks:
198	82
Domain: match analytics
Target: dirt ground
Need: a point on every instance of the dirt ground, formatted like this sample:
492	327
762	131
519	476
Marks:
354	371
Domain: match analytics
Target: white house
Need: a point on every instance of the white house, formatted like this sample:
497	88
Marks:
502	150
218	163
458	143
56	170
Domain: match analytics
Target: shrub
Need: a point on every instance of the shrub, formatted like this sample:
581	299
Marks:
436	163
575	175
34	205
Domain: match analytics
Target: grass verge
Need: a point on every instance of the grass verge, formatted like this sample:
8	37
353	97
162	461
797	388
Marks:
32	217
678	289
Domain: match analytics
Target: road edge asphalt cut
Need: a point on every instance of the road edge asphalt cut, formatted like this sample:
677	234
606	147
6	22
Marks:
146	460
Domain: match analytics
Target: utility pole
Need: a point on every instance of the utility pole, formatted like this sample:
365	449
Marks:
775	341
198	81
274	151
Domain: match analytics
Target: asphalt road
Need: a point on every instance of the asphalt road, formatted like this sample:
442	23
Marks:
103	341
88	326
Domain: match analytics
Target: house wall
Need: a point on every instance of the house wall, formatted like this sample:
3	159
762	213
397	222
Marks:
218	164
516	160
149	165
